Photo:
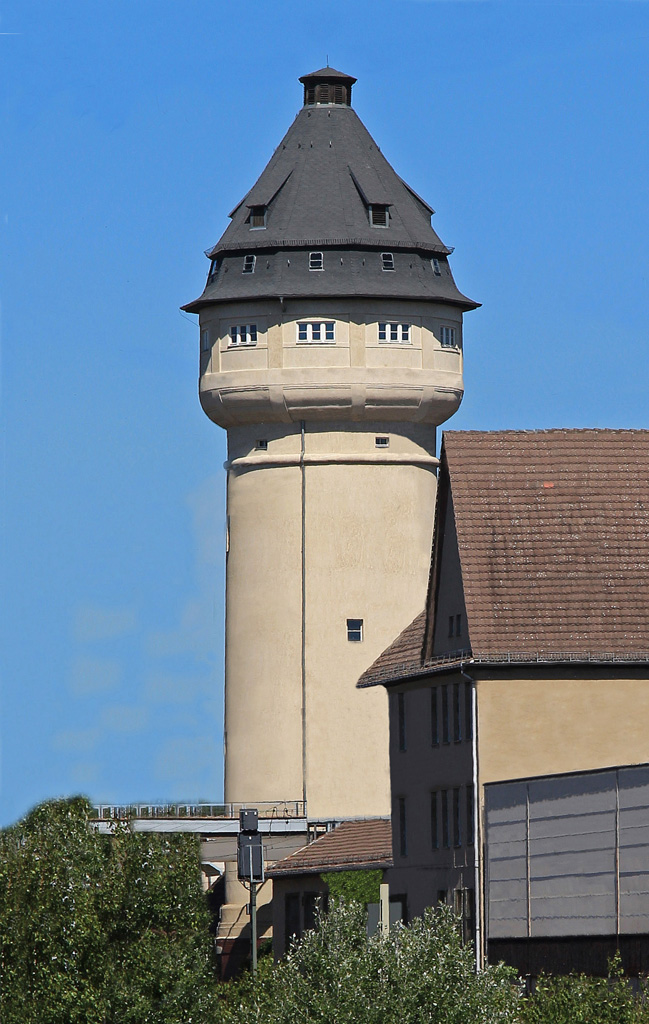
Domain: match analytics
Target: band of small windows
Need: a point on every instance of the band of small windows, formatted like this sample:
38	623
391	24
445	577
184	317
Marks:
394	332
243	334
316	331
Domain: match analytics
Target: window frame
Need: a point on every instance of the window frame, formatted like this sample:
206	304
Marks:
387	262
393	327
323	326
436	267
448	331
373	210
250	339
254	213
249	263
314	258
352	629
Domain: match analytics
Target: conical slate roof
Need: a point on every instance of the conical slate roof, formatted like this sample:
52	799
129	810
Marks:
316	193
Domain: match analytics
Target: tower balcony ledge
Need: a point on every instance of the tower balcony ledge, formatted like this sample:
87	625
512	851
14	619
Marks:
356	394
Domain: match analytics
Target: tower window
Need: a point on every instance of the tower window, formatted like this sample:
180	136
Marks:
448	337
243	334
205	340
316	331
435	265
262	444
355	630
382	442
387	261
316	261
379	216
257	217
249	264
214	269
395	332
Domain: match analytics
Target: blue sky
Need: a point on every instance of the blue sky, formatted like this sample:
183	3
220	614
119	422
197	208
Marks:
129	130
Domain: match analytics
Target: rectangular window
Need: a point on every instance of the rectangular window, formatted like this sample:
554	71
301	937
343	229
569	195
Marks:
392	332
451	624
205	341
382	442
214	269
468	712
445	823
441	896
469	815
355	630
403	835
249	264
435	265
446	731
316	261
387	261
457	832
257	217
243	334
448	337
458	625
457	722
401	720
434	823
434	718
379	216
316	331
262	444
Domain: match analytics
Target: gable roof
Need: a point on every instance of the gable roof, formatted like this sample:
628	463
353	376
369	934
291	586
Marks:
352	845
553	537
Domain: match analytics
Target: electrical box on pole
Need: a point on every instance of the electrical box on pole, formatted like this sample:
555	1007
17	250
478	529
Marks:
250	852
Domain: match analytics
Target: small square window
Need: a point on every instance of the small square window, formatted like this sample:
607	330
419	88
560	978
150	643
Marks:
382	442
316	261
302	332
355	630
329	331
387	261
315	332
379	216
448	337
435	265
262	444
249	264
257	217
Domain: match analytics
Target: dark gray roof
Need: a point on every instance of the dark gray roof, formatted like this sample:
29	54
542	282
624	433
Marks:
317	188
328	74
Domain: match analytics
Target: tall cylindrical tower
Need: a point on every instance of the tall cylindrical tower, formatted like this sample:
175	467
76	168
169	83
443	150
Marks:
331	347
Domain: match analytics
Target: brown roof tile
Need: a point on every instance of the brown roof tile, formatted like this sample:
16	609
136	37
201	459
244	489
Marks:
352	844
553	532
553	535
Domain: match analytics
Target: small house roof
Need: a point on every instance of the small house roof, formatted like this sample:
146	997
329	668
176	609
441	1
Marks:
352	845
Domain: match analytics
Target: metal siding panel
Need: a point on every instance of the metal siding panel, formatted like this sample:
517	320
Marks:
505	819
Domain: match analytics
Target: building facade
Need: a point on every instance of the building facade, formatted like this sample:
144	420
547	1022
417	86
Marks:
526	679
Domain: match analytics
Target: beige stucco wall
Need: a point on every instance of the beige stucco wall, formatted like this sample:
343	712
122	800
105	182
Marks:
367	544
539	725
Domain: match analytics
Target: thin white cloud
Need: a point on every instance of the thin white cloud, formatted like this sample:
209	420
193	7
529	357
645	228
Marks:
93	623
94	675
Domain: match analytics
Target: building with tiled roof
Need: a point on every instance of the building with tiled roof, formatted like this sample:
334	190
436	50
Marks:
530	661
300	879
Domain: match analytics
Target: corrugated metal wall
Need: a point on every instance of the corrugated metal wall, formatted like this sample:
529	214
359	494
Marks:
568	855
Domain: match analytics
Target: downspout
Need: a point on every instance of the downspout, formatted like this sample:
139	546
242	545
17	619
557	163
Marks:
303	596
477	898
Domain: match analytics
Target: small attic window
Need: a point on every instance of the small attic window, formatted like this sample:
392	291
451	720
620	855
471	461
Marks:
214	269
387	261
435	265
257	217
249	264
379	215
316	261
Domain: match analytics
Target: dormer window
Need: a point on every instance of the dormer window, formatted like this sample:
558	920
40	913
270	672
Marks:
249	264
387	261
214	269
435	265
379	215
316	261
257	217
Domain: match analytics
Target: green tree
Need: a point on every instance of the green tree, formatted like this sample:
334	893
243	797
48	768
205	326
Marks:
99	928
578	999
335	975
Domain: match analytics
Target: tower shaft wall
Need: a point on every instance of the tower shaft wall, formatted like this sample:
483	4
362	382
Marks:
323	526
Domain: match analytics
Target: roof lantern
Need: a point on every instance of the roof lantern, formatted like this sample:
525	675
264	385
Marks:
327	86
